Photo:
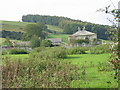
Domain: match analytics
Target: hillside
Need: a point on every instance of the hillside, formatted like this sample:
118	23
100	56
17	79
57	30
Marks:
19	26
68	25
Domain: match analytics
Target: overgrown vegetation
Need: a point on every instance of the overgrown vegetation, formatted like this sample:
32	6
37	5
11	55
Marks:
46	43
77	50
99	49
115	37
39	72
47	53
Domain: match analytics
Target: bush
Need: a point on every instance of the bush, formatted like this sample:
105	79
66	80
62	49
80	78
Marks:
55	52
18	51
100	49
104	66
38	49
46	43
4	52
38	74
76	50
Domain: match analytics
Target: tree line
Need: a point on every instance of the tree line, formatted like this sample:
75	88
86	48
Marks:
11	34
69	26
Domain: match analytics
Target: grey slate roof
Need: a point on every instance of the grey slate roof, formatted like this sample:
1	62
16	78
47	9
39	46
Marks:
55	40
25	43
83	32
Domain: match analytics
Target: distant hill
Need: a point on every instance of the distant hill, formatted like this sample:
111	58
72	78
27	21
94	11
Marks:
13	26
56	25
68	25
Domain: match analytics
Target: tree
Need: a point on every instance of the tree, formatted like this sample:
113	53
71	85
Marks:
34	29
115	48
46	43
94	41
35	41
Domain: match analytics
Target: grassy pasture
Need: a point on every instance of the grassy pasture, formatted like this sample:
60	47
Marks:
55	28
19	26
13	26
93	77
63	36
14	57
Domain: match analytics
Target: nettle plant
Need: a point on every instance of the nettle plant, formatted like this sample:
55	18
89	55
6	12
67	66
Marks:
115	37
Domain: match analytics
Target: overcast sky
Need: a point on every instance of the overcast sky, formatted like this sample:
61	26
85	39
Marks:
85	10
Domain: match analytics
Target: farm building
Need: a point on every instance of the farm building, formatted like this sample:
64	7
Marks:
25	43
83	38
55	41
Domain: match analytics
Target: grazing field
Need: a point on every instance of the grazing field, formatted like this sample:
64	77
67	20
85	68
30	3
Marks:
63	36
19	26
55	28
15	57
94	78
13	26
97	73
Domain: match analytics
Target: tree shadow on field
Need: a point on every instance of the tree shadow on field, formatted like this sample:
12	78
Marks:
74	57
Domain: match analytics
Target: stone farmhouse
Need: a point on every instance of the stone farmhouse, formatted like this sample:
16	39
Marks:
82	35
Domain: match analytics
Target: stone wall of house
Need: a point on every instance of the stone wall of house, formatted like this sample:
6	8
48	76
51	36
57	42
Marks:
90	37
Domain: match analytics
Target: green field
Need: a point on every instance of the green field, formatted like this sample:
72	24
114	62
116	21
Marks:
63	36
13	26
106	41
93	78
14	57
17	56
55	28
19	26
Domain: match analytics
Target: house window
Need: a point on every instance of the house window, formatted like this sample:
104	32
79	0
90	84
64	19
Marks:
90	38
83	44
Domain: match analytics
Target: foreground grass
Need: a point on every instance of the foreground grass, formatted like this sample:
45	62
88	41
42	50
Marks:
17	56
14	57
93	78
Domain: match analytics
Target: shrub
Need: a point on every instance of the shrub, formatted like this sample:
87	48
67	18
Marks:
58	52
76	50
100	49
18	51
46	43
38	74
104	67
55	52
4	52
38	49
